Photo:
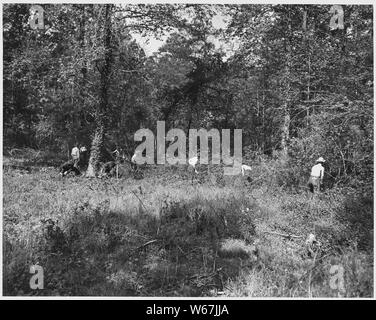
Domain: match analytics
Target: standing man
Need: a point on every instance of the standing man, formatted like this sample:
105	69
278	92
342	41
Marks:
317	175
83	155
133	160
75	155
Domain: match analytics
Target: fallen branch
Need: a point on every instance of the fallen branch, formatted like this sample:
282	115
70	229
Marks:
283	235
13	150
139	200
206	275
145	245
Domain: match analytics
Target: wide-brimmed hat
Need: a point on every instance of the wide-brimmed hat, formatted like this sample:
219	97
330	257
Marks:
321	159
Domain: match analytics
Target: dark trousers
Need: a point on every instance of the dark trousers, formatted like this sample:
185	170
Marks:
83	159
314	184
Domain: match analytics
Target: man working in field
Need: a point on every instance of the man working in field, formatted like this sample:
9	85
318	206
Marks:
317	175
134	164
83	156
75	155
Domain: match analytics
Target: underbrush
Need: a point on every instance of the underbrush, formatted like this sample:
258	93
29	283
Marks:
165	236
32	157
102	238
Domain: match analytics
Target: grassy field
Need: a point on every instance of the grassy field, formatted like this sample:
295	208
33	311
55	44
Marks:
164	236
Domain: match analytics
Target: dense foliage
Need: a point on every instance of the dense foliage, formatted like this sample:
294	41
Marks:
297	88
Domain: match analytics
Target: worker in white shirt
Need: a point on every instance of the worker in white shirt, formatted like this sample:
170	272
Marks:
133	159
317	175
134	164
75	155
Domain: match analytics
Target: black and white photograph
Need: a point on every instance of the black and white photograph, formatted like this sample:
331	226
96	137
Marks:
187	150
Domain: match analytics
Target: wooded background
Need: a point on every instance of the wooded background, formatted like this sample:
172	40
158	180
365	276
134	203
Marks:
298	89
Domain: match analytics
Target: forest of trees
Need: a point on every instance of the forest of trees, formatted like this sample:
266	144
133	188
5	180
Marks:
297	88
296	79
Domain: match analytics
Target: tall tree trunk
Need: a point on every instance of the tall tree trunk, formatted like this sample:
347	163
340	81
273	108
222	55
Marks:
97	145
81	38
308	49
285	131
286	119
